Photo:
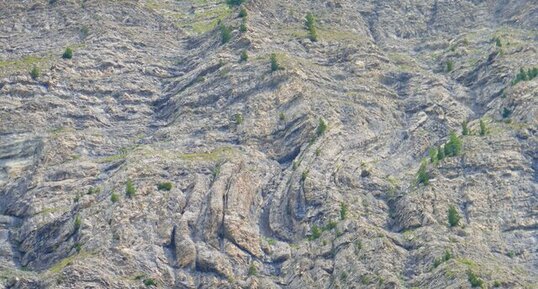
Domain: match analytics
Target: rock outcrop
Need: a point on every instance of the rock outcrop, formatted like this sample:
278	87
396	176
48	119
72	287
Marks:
156	156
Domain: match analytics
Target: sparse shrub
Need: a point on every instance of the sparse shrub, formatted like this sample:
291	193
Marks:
252	270
281	116
381	281
244	56
35	73
243	27
114	198
433	155
93	190
483	128
447	152
343	276
315	232
243	12
453	216
497	284
449	66
235	2
441	153
313	35
464	128
322	127
453	147
532	73
521	76
525	75
446	256
225	33
130	189
78	222
498	42
68	53
506	112
150	282
84	32
358	246
318	152
422	176
216	170
310	22
274	63
437	262
78	247
330	225
164	186
365	280
304	175
343	211
474	279
238	118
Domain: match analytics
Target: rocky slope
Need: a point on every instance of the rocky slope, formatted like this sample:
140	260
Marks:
303	177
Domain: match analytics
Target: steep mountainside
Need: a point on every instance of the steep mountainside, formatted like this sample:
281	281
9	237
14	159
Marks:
158	155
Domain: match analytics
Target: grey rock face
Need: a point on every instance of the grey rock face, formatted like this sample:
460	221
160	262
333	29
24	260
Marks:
303	177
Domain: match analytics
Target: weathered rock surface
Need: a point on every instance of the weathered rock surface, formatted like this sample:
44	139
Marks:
152	95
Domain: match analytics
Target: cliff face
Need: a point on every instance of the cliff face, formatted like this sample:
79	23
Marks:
302	177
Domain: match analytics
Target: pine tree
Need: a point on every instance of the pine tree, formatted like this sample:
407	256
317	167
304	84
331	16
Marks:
453	216
315	232
68	53
35	72
322	127
310	20
243	28
114	198
506	112
453	147
422	176
449	66
130	189
464	128
483	128
274	63
225	33
440	153
244	56
243	12
498	42
433	155
310	23
343	211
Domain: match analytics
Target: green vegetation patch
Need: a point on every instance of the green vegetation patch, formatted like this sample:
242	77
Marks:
213	155
60	265
205	18
26	63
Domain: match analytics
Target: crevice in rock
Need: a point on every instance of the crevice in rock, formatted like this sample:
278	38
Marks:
170	249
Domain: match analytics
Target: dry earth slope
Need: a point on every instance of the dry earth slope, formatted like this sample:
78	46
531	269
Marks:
155	157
